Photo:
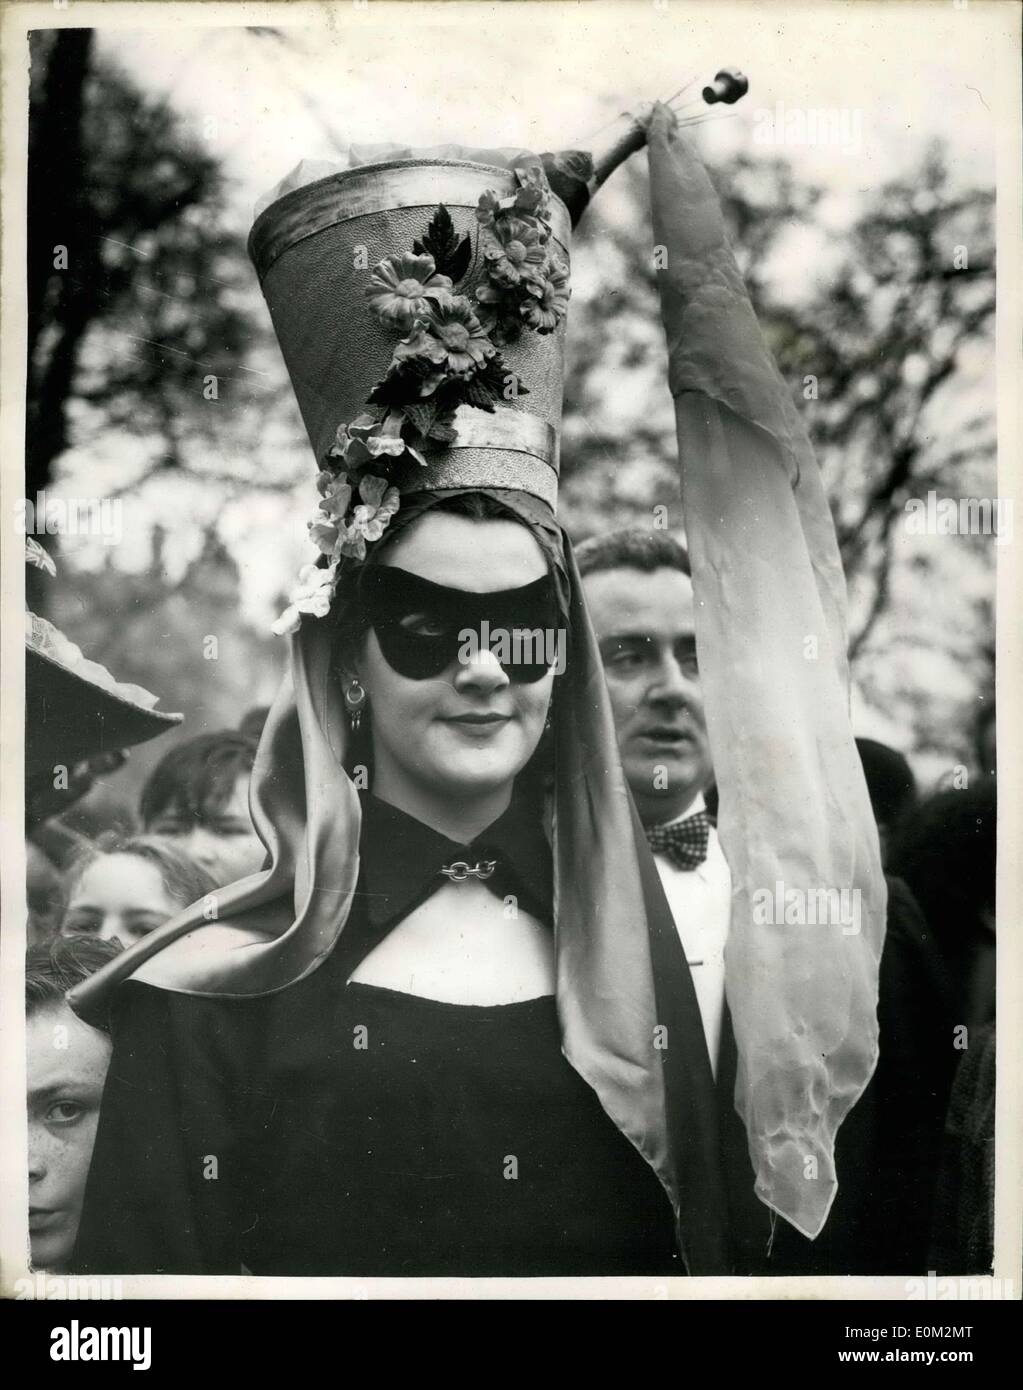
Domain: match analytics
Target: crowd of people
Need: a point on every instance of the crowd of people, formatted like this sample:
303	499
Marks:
88	898
441	966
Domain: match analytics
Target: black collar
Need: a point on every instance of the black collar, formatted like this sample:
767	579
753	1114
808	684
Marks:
402	858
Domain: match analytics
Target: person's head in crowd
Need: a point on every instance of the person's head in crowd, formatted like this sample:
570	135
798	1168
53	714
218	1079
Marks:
66	1067
252	722
47	797
60	843
121	890
640	598
104	810
198	794
945	850
50	850
890	783
44	890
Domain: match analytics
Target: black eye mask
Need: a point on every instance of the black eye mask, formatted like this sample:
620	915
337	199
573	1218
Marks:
423	628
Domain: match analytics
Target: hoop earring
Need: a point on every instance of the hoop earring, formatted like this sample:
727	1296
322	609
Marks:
355	700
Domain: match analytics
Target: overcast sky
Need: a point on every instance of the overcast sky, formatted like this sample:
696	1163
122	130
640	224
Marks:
545	74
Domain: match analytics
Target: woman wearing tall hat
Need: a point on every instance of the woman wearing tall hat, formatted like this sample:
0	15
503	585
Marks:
449	1030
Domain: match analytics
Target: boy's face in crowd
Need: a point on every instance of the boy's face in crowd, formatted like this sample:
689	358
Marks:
67	1066
645	628
223	842
119	897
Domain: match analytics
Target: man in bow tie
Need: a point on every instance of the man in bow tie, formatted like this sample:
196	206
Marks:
640	598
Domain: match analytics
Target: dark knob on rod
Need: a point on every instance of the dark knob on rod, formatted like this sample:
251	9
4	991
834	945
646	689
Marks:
728	86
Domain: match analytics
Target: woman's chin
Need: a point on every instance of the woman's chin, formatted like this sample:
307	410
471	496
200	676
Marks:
52	1253
479	768
479	777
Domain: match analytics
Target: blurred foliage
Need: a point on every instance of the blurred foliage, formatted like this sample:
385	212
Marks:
887	347
156	298
879	334
182	640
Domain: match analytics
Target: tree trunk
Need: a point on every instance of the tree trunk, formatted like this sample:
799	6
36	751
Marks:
61	303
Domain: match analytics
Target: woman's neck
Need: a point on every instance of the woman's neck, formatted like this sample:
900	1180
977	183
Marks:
460	819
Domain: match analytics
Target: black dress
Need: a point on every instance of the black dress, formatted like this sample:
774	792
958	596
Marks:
339	1128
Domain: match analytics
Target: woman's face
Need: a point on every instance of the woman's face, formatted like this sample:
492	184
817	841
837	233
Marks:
119	897
467	732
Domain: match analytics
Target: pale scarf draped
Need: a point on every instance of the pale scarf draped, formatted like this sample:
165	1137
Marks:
770	626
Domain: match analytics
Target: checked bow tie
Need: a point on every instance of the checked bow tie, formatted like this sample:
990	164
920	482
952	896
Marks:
683	842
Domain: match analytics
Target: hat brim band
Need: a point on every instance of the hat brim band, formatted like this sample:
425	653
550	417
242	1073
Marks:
508	448
478	468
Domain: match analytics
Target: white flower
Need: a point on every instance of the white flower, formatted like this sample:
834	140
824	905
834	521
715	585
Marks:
312	594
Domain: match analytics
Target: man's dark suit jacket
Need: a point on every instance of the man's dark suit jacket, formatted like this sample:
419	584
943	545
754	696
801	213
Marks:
888	1146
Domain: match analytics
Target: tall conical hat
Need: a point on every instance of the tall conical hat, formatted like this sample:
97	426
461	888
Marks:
461	254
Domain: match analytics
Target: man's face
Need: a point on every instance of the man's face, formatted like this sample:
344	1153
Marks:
67	1065
645	628
223	842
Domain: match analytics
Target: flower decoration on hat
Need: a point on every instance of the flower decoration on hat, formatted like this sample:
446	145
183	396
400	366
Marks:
447	356
548	303
521	271
448	343
515	254
403	287
370	517
312	595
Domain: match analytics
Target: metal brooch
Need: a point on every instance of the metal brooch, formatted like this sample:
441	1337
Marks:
460	870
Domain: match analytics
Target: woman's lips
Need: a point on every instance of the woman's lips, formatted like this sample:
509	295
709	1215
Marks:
40	1219
478	725
491	717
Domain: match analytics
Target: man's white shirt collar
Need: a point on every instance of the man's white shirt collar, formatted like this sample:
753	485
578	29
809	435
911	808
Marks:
700	902
696	805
